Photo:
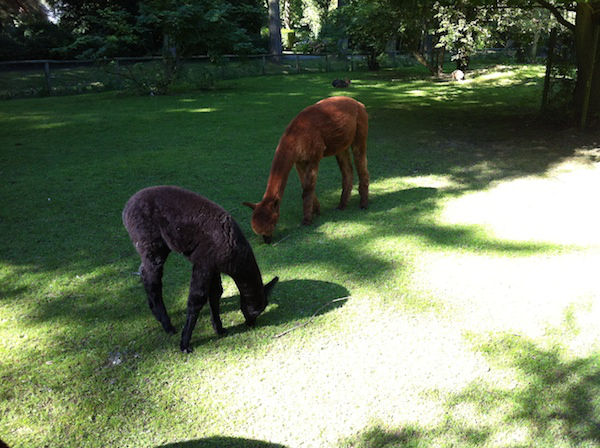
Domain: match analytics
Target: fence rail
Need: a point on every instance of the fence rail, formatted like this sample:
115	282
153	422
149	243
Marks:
60	77
56	77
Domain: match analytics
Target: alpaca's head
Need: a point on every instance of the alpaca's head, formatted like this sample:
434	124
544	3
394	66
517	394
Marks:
255	304
265	217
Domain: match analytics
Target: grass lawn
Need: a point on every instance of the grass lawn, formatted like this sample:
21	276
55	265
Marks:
474	302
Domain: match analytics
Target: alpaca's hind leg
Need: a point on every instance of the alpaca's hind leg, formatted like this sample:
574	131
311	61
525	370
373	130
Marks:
343	160
198	296
359	150
301	167
151	271
310	203
214	300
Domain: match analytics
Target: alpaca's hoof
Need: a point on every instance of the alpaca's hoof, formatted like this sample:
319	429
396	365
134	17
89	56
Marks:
187	349
267	239
221	333
306	222
341	207
171	329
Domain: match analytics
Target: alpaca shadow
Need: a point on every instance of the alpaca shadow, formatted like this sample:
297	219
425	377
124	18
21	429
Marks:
222	442
299	299
292	300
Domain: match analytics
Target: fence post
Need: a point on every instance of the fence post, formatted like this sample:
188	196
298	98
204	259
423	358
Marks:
326	63
264	63
297	63
47	75
119	82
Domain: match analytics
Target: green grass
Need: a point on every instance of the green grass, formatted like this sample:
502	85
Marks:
473	309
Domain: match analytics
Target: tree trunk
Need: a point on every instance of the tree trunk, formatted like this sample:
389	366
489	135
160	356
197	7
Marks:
549	63
343	43
441	54
275	47
372	63
423	61
587	89
534	46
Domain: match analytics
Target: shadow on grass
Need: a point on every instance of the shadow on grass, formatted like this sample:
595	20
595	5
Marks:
555	402
222	442
292	301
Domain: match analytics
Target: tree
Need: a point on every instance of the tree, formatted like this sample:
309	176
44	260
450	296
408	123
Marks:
460	27
586	31
587	48
369	25
275	46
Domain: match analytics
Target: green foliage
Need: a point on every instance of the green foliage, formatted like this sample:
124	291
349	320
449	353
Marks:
110	32
368	25
141	27
190	26
462	29
31	40
288	38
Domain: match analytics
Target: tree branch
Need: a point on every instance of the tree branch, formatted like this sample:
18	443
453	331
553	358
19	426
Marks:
557	14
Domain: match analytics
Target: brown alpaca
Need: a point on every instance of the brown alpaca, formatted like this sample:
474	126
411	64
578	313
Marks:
327	128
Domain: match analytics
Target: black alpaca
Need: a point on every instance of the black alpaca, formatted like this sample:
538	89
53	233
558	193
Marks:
164	219
341	83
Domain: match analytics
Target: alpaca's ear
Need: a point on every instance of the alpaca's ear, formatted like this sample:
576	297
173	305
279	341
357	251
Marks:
269	286
249	204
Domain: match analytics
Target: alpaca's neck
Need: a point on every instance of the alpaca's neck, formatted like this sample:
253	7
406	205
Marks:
246	274
280	170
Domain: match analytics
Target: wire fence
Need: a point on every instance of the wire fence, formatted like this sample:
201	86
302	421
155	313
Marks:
55	77
147	74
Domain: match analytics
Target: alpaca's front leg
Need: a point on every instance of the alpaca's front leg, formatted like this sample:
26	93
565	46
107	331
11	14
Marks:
151	272
198	296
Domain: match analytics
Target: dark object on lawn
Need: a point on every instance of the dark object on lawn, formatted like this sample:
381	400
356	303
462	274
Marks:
166	218
324	129
458	75
341	83
2	444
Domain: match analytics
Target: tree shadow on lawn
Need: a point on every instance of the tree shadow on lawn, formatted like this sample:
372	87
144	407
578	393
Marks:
291	301
222	442
554	402
390	214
